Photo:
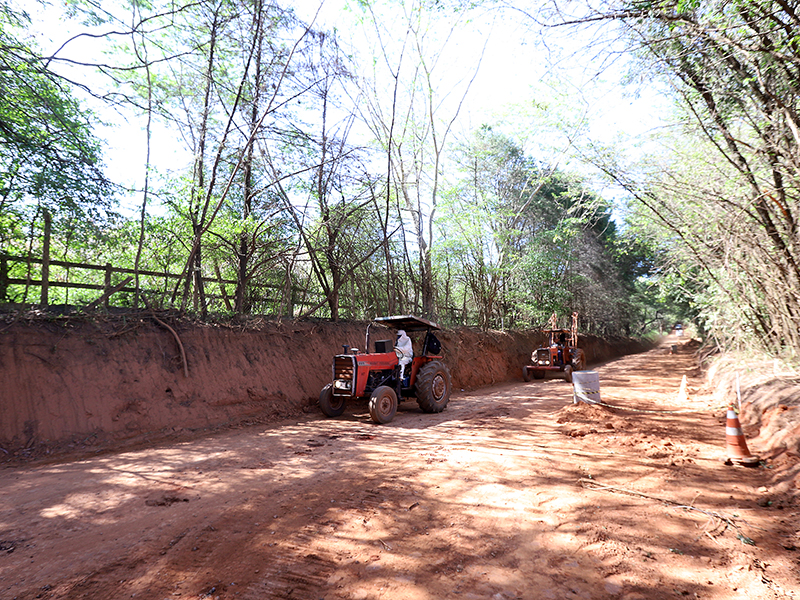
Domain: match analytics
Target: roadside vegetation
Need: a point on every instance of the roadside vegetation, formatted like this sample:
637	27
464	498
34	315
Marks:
311	178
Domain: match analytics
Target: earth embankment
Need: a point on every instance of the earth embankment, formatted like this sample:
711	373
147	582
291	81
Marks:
72	384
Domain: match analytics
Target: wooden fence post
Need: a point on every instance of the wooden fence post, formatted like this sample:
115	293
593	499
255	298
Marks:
46	258
107	284
3	277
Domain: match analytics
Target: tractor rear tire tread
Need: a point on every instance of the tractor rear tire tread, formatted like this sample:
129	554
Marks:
433	387
579	360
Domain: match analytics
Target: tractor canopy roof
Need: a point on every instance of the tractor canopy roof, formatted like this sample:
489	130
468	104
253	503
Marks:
407	322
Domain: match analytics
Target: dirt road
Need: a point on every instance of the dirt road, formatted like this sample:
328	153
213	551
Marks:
512	493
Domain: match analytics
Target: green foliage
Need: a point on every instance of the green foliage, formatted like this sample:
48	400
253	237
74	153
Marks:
718	202
280	204
48	155
524	241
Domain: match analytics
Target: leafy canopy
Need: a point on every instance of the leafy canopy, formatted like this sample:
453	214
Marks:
48	154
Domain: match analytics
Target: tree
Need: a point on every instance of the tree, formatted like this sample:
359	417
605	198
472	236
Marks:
726	195
413	123
526	239
49	157
223	73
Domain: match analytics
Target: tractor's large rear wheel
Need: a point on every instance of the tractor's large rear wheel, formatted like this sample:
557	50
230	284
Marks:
526	374
433	387
332	406
568	374
578	360
383	404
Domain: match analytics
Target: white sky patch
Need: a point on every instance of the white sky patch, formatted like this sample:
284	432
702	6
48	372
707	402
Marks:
515	68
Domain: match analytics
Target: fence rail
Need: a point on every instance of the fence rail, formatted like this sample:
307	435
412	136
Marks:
45	281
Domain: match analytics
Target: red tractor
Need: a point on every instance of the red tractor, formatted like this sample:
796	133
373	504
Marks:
560	358
389	375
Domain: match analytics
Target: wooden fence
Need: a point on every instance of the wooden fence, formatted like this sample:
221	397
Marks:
45	282
117	279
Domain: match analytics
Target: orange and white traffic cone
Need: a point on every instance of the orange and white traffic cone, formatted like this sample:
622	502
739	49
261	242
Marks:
736	443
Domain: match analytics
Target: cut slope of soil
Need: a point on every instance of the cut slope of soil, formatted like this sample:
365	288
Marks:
75	384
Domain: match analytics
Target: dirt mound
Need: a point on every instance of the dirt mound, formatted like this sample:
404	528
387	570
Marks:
583	419
75	384
583	413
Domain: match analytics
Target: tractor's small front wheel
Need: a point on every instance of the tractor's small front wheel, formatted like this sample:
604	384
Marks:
332	406
529	373
383	404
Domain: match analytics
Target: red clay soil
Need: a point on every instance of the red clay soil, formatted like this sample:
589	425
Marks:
513	492
75	384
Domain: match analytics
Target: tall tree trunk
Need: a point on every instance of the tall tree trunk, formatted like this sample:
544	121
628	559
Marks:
246	243
141	53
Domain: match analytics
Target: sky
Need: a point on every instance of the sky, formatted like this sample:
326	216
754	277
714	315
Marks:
515	71
516	64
